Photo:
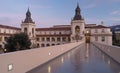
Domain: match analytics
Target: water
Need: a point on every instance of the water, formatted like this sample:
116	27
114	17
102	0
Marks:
83	59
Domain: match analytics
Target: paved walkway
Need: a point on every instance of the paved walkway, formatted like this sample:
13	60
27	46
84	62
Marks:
84	59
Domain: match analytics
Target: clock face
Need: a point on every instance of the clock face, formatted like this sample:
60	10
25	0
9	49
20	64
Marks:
77	29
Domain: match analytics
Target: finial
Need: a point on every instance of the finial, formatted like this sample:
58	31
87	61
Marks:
102	23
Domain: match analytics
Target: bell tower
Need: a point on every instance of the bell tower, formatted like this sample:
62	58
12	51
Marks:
28	27
77	26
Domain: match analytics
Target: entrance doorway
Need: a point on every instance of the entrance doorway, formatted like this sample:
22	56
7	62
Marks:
87	37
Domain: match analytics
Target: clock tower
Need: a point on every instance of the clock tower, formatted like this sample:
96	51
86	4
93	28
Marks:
77	26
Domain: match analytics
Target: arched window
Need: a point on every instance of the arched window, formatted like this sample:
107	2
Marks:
48	39
47	44
53	44
25	30
77	29
38	45
42	45
32	30
53	39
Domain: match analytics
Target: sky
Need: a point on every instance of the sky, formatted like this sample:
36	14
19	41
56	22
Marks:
47	13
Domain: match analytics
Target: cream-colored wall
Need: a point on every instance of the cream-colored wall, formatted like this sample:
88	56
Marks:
79	23
53	32
26	60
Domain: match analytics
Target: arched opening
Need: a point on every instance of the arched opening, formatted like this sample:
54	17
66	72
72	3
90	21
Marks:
77	29
53	39
38	45
25	30
32	30
48	39
42	45
53	44
47	44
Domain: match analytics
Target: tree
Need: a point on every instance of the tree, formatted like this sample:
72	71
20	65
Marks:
19	41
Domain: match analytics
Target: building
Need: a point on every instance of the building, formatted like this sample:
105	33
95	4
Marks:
78	30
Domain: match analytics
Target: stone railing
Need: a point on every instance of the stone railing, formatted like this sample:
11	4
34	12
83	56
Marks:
112	51
23	61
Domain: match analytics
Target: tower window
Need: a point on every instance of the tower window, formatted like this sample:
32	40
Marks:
77	29
25	30
32	30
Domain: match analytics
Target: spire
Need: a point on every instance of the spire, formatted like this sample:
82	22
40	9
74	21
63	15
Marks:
28	18
77	13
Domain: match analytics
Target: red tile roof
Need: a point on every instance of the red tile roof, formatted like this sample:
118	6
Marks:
9	27
53	29
97	26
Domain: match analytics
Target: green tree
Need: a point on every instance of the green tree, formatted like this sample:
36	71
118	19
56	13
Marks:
19	41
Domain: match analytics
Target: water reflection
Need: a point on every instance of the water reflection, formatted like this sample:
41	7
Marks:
49	69
62	60
87	50
84	59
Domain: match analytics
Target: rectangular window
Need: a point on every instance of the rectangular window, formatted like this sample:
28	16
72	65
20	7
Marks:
103	30
37	39
96	30
102	38
43	39
96	38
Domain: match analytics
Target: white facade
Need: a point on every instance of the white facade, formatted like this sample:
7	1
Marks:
59	34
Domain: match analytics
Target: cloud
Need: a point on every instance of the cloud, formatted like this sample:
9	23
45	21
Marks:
116	12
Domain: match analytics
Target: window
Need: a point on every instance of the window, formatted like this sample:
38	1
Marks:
58	38
102	38
0	38
69	39
25	30
32	30
53	44
63	39
38	45
48	39
6	38
103	30
43	39
42	45
53	39
77	29
96	30
59	32
47	44
96	38
37	39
